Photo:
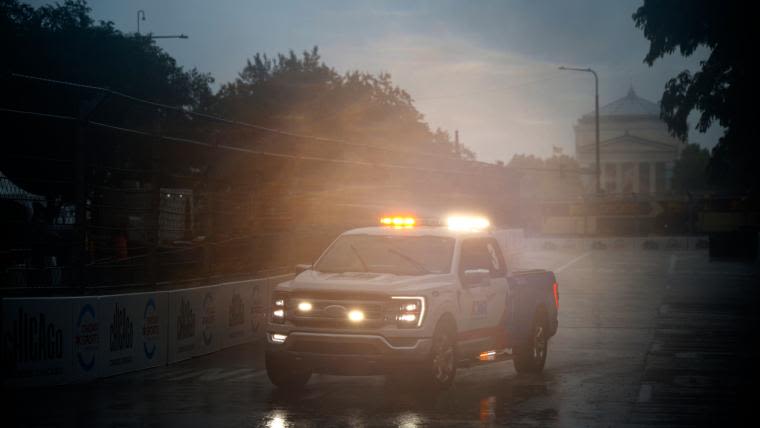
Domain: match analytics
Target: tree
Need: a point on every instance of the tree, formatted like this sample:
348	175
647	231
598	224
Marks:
302	94
690	171
62	41
721	91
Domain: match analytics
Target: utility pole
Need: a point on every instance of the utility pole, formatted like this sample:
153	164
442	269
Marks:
598	171
456	142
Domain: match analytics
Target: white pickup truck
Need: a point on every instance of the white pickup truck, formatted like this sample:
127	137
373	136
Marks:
404	299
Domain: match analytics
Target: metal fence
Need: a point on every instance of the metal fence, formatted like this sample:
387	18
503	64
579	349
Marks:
100	190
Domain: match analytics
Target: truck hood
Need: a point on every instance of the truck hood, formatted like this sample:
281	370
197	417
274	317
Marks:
384	283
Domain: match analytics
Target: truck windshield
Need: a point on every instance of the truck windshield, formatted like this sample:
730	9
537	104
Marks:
400	255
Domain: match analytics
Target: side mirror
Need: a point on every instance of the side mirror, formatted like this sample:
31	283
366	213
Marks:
302	267
475	277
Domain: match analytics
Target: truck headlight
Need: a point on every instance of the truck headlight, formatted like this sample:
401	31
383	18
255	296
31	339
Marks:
278	310
408	311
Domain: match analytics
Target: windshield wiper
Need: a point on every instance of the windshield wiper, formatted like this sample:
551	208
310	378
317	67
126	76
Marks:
414	262
359	257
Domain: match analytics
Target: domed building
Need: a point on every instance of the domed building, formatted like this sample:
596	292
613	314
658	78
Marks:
636	151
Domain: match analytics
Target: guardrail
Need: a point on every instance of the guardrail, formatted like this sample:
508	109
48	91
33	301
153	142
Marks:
59	340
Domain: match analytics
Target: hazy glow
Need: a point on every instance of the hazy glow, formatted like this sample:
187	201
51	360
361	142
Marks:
279	338
304	306
279	313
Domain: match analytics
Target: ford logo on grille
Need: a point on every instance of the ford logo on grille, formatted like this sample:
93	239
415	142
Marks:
335	311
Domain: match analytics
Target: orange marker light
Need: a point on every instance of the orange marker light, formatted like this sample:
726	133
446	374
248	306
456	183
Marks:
398	221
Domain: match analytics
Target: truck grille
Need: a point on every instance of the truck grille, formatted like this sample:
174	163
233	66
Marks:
332	312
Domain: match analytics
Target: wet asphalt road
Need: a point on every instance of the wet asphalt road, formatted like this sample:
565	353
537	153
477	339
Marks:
645	338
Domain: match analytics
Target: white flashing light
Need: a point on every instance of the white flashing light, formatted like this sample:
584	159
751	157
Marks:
304	306
279	302
279	338
467	223
279	313
356	315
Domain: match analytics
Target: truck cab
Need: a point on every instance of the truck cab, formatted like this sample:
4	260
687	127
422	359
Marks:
407	298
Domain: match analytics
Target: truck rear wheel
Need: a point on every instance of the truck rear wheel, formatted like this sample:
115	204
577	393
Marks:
530	356
284	374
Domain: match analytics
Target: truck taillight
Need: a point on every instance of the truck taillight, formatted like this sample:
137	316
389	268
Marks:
556	295
278	310
408	311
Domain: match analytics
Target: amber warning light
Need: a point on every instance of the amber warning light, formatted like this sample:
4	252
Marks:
398	221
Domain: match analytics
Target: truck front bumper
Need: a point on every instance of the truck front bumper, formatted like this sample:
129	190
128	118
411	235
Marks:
357	354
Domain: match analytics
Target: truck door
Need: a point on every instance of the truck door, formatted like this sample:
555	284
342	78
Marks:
482	304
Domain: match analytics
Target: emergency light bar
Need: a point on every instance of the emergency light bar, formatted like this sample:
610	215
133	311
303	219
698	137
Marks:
457	222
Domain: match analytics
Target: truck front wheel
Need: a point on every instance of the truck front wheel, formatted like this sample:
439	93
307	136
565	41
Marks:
442	361
284	374
530	356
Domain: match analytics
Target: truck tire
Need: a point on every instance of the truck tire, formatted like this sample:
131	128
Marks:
284	375
441	366
530	356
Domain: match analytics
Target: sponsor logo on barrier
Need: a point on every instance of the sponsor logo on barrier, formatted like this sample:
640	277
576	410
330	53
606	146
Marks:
86	337
121	330
257	309
32	339
208	318
185	320
121	337
236	310
151	328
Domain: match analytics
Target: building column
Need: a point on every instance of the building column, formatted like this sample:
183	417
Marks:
636	169
652	177
619	178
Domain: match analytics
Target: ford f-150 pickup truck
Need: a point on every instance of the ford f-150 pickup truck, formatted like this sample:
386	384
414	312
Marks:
409	299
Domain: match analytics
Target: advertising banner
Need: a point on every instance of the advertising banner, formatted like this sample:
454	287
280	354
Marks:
36	341
183	325
209	308
85	327
118	334
152	322
237	304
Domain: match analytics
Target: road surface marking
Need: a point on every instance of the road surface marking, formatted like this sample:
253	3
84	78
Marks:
571	262
672	266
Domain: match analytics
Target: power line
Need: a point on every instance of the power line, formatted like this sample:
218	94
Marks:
226	121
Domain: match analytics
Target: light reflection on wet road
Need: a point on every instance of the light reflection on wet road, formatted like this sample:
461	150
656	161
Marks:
609	365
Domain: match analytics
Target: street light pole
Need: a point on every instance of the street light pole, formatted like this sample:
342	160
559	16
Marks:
598	171
140	13
141	17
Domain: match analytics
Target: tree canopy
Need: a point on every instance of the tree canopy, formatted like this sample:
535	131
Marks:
720	91
63	42
302	94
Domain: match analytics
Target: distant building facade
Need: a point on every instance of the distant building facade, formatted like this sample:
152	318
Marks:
637	153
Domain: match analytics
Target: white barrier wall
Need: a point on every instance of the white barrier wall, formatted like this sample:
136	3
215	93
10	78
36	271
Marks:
37	341
85	327
60	340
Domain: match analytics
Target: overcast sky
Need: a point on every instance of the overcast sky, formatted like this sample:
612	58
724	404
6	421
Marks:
486	68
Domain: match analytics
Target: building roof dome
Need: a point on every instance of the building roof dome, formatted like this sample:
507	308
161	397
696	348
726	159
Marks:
630	105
